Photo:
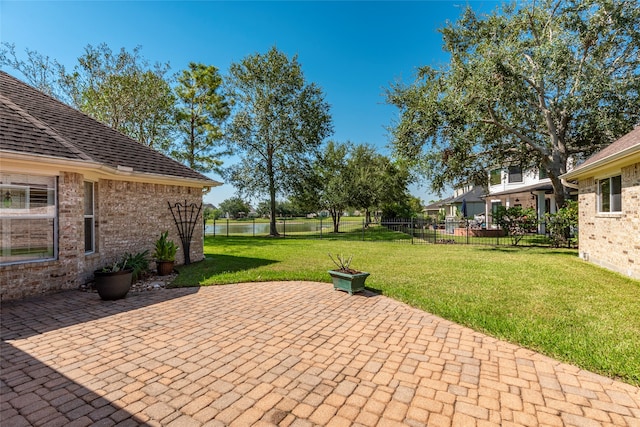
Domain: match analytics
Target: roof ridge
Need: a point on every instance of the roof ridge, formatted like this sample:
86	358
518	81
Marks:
45	128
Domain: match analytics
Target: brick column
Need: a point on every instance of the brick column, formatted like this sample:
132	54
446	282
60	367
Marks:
70	228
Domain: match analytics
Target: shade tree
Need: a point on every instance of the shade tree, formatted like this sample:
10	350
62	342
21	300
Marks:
536	84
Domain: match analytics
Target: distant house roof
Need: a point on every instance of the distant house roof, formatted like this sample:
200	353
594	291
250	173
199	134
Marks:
539	186
476	194
36	124
437	205
627	148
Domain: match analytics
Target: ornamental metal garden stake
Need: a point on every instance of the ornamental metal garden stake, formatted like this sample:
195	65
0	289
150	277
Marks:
186	219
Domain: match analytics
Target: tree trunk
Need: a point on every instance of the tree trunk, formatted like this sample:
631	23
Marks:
560	192
556	168
335	215
273	230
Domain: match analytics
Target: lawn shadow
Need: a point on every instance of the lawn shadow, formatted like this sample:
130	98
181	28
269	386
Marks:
213	264
517	249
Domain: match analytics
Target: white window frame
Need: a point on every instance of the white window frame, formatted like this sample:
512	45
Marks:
509	175
493	173
20	184
614	202
91	217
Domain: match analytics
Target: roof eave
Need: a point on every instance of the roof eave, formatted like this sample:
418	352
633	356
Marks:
614	158
107	171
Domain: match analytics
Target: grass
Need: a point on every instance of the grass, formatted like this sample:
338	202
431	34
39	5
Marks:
543	299
352	228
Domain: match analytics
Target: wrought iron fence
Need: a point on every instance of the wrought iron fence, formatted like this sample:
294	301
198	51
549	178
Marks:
411	231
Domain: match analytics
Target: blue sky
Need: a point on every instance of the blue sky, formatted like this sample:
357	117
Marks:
352	50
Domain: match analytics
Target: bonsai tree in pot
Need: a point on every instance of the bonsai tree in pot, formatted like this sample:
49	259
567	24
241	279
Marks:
344	277
165	254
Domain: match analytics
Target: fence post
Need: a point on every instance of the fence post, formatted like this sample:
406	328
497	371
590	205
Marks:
411	225
467	221
214	226
284	227
320	227
227	227
254	227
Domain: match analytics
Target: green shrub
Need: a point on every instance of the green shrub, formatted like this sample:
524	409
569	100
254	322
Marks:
139	263
563	225
165	249
516	221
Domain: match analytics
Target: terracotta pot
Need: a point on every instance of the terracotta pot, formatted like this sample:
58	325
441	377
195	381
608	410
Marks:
164	267
113	285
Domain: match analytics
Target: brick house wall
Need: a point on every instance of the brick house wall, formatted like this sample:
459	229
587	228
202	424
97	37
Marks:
612	240
129	217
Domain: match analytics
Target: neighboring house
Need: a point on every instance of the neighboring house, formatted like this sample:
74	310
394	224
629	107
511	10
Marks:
466	202
609	205
513	186
77	195
507	187
435	209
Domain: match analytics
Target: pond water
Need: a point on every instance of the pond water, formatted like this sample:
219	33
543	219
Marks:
262	228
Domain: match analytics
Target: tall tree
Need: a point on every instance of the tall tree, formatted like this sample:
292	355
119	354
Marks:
199	116
278	123
39	70
234	207
123	91
375	180
333	181
534	85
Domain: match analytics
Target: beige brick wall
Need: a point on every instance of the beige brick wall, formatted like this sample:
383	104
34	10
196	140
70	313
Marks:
129	218
612	240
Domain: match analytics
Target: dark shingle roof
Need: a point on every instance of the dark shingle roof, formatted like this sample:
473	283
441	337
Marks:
626	148
32	122
626	141
476	194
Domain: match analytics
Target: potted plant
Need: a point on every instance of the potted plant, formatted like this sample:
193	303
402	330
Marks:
165	254
114	281
344	277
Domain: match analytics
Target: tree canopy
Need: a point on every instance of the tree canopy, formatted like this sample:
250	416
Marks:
533	85
345	176
277	124
123	91
200	112
234	207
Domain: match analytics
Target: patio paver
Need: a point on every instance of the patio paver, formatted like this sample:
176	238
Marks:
287	354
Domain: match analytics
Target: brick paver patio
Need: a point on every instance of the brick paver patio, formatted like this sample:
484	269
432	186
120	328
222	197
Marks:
289	354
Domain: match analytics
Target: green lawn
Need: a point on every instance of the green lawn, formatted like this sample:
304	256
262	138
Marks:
544	299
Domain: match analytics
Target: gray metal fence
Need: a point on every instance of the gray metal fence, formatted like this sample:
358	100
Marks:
411	231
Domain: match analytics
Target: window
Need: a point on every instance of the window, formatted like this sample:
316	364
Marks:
542	173
495	205
515	174
28	218
495	177
89	219
610	194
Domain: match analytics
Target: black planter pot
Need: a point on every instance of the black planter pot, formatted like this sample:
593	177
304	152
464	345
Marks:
113	285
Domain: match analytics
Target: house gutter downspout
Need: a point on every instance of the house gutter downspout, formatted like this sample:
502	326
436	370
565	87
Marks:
568	184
